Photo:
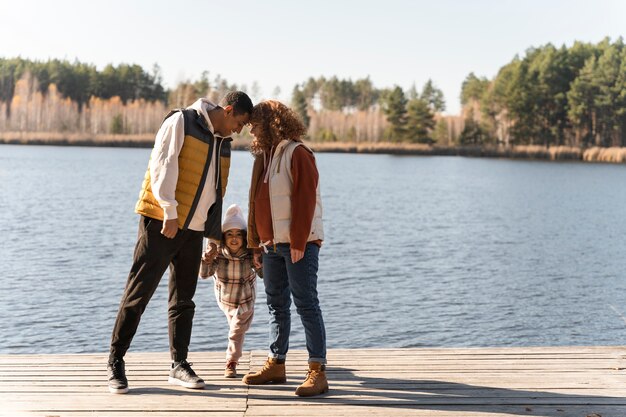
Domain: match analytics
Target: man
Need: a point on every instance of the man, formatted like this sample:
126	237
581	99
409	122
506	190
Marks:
180	202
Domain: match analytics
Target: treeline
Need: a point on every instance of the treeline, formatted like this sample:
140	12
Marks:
354	111
80	82
74	97
62	96
552	96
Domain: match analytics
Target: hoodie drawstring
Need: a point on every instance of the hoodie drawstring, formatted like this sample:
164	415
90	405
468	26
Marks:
264	245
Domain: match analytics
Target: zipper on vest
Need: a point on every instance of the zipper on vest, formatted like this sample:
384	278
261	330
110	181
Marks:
218	167
269	190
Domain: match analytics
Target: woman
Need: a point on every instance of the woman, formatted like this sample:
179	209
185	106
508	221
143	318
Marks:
285	229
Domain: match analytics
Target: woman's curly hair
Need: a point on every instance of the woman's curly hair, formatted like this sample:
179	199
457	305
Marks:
275	122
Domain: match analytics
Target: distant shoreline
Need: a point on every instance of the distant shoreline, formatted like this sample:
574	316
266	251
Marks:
553	153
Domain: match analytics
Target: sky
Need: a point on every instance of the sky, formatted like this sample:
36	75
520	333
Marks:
283	43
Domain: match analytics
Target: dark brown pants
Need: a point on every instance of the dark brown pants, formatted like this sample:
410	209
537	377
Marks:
153	254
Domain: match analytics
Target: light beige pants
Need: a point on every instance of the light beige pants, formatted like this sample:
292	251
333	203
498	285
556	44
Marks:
239	325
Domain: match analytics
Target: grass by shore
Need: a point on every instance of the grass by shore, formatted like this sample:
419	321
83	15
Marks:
76	139
552	153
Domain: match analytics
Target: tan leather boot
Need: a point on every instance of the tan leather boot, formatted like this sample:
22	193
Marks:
231	370
315	382
272	372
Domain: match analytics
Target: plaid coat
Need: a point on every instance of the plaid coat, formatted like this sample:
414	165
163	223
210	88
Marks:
235	281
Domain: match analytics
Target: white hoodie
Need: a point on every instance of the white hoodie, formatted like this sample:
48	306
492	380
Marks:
164	166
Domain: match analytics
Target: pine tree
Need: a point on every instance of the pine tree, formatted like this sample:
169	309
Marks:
395	110
299	104
472	133
420	121
433	96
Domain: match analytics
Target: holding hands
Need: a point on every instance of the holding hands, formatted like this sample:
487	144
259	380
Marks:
257	259
209	253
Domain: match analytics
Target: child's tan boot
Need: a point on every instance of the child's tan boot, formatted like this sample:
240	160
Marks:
315	382
272	372
231	370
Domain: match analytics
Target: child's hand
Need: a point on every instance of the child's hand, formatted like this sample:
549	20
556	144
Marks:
209	253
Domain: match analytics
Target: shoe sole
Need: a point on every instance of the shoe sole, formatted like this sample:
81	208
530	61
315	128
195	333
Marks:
118	390
324	391
191	385
273	381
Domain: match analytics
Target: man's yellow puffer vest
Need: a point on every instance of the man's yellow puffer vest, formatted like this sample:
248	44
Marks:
193	165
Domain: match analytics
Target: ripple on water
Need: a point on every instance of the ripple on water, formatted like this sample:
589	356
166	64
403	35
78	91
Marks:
418	252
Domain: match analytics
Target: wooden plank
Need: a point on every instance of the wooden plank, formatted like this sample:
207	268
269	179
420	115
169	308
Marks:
113	413
467	382
286	391
391	352
590	384
331	360
302	368
352	411
437	411
139	399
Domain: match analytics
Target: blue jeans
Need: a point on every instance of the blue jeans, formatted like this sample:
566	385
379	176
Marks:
284	279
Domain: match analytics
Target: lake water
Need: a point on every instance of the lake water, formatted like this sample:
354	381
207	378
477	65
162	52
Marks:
420	251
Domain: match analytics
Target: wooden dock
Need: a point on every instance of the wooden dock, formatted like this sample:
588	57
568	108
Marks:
494	382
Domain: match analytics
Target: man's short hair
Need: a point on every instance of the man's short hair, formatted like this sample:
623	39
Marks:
239	100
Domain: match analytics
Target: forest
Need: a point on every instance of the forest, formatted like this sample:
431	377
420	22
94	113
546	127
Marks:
551	96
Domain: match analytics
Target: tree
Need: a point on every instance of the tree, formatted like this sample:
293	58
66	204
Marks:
582	111
330	94
472	133
620	90
433	96
440	133
395	110
299	103
202	86
365	93
10	71
609	101
473	88
419	121
311	87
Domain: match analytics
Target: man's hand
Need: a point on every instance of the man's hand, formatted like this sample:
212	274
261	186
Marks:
170	228
296	255
257	260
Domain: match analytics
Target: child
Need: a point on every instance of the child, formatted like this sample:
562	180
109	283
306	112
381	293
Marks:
231	266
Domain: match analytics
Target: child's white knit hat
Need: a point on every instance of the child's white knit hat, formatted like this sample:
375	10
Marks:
234	219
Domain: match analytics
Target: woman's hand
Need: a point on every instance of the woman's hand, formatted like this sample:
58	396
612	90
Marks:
257	260
296	255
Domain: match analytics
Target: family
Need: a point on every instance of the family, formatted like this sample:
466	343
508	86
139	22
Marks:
180	204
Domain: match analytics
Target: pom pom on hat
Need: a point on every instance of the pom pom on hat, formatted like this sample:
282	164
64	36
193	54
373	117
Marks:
234	219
